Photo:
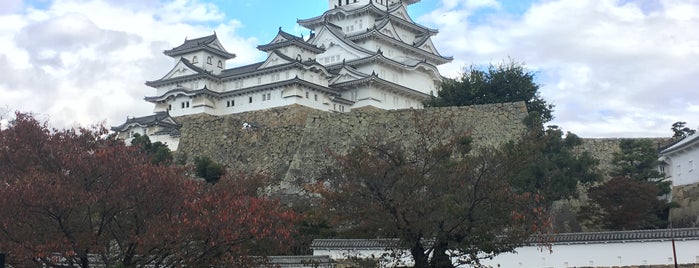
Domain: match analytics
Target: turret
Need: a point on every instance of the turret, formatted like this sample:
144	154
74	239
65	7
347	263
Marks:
204	52
338	3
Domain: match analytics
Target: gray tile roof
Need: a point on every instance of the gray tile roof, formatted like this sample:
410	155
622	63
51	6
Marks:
566	238
374	33
687	141
290	40
201	43
162	119
198	73
286	260
353	243
374	78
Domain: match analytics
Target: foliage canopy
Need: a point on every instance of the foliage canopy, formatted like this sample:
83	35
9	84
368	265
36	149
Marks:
544	162
159	152
634	197
439	197
506	82
81	198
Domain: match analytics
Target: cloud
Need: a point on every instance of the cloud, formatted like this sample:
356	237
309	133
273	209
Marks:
612	68
10	6
85	61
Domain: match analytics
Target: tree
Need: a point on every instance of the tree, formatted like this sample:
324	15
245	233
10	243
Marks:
160	152
544	162
79	198
638	160
634	197
625	204
680	131
436	195
207	169
507	82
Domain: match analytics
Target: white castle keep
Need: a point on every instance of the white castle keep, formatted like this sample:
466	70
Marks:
361	53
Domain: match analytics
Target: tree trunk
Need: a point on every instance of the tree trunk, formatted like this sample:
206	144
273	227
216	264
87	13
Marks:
84	261
440	258
419	256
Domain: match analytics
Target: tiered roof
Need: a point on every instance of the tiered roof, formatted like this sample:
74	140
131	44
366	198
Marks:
208	43
284	39
198	74
162	119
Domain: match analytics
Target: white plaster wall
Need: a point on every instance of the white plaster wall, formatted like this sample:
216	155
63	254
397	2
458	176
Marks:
171	142
564	256
682	167
405	259
612	254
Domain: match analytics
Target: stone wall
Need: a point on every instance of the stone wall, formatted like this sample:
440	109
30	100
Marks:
268	144
293	142
604	149
687	214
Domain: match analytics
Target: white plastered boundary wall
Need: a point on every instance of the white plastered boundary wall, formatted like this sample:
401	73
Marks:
600	255
564	256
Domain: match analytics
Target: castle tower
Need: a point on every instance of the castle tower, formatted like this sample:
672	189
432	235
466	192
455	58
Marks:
361	53
206	53
339	3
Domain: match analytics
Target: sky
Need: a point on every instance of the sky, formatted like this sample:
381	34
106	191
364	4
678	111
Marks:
612	68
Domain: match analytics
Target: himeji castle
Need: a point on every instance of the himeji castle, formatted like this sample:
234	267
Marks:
360	53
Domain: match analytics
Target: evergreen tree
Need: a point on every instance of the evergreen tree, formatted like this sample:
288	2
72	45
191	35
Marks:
507	82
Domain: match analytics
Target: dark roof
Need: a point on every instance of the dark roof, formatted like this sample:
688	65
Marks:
406	24
245	90
199	73
379	57
414	48
290	40
566	238
346	11
374	78
290	260
254	68
242	69
197	44
182	91
162	119
685	142
353	243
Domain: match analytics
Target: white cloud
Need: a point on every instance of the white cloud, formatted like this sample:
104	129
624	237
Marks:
85	61
10	6
612	68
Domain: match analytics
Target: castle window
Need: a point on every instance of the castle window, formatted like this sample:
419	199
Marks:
306	95
259	80
185	104
250	100
169	107
195	59
208	60
220	64
315	97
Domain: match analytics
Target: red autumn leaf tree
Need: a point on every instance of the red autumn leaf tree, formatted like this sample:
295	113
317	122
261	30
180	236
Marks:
445	203
78	197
